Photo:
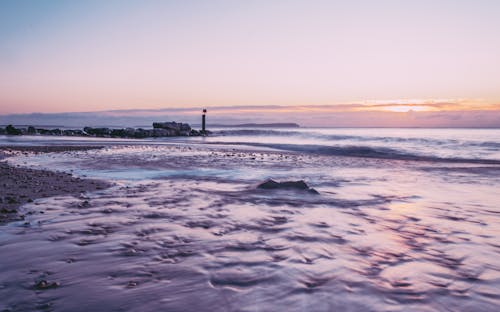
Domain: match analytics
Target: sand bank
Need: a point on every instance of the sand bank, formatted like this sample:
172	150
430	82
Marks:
24	185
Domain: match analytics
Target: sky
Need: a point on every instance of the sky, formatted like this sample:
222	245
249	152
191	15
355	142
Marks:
389	56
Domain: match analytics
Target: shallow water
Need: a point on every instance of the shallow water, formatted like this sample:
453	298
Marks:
186	229
430	144
389	143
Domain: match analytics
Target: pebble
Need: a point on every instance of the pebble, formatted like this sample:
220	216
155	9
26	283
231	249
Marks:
43	285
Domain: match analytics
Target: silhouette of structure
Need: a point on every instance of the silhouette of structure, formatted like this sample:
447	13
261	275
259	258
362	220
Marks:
203	118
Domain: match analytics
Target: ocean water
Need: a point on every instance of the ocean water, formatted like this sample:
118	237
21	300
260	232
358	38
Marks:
391	143
405	219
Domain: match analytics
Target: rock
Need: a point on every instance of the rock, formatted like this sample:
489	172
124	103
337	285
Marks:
100	132
43	131
84	204
55	132
176	128
129	132
5	210
73	132
172	125
11	200
141	133
11	130
268	185
287	185
43	284
160	129
132	284
31	130
159	132
118	133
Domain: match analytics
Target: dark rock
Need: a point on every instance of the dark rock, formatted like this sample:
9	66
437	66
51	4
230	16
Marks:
5	210
11	130
204	132
100	132
269	185
118	133
172	125
141	133
176	128
11	200
129	132
56	132
43	285
132	284
43	131
160	129
313	191
287	185
73	132
31	130
84	204
157	132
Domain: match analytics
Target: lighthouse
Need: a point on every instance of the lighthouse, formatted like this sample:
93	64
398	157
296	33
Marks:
203	117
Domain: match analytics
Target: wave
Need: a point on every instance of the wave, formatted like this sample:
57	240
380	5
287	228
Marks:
363	151
336	137
281	133
258	132
488	144
310	135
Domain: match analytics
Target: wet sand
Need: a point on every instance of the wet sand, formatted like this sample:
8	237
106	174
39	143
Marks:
23	185
186	228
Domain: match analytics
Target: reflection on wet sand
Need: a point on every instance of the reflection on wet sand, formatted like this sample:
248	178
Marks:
382	235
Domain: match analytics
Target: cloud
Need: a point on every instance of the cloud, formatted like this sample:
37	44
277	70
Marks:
442	114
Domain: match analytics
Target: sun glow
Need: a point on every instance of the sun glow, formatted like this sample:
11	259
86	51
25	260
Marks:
407	108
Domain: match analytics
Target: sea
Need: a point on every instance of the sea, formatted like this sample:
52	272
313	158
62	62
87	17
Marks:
436	144
405	220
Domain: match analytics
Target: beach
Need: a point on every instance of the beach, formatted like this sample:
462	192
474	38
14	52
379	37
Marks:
24	185
250	156
184	226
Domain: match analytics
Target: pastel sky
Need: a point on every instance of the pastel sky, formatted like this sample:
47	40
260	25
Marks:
78	56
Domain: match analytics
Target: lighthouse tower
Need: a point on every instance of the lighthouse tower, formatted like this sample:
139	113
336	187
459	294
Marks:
203	117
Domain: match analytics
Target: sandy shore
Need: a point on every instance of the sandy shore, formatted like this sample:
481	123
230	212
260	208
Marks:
22	185
186	228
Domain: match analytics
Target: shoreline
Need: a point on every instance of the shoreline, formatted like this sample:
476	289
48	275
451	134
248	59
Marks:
24	185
